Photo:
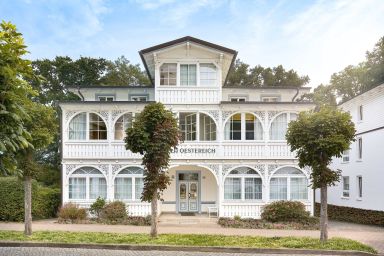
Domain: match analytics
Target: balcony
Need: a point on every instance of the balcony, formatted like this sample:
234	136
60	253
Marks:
188	150
188	95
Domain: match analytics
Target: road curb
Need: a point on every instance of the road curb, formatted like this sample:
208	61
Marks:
183	248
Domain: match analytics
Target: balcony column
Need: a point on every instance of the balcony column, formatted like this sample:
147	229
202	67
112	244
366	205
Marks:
220	134
220	191
110	184
64	178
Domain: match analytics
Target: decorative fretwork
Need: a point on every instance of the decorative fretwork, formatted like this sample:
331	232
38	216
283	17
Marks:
116	114
69	168
214	168
271	114
272	167
116	168
104	114
103	168
260	114
227	168
214	114
68	115
227	114
260	168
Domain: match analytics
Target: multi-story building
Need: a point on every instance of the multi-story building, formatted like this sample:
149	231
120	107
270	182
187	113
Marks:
233	157
362	171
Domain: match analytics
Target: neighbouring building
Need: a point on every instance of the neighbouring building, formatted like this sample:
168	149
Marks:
362	171
234	158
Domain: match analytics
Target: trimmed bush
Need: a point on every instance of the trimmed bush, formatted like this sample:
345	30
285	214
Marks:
138	220
285	211
71	213
45	200
97	207
311	224
355	215
114	212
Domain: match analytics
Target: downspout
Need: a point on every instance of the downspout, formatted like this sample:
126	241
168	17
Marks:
297	93
81	95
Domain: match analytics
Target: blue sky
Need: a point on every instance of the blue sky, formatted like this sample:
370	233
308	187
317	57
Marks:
316	38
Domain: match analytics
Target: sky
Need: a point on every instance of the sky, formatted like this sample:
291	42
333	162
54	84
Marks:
314	37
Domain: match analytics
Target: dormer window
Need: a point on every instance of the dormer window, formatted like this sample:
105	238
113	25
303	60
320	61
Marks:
188	75
106	98
168	74
208	74
238	99
270	98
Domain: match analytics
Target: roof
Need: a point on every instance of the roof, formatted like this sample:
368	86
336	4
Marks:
182	40
266	87
110	86
267	103
363	92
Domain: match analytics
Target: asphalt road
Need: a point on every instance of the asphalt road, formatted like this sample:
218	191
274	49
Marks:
41	251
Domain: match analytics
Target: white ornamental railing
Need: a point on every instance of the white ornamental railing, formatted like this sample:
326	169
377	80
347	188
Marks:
244	210
186	150
188	95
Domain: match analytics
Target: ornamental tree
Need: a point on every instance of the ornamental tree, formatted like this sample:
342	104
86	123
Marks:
153	134
317	137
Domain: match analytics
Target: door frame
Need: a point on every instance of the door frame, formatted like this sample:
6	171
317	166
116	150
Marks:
178	188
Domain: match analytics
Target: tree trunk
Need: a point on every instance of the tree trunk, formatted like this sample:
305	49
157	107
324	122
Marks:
323	215
28	205
154	215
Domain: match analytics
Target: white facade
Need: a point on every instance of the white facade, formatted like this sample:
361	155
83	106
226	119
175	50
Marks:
361	185
234	155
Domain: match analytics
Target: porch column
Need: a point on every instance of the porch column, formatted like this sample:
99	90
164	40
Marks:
110	185
220	191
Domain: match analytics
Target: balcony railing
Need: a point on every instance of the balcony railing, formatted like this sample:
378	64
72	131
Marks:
187	150
188	95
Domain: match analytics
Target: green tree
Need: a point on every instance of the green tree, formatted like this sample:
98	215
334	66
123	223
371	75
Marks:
317	137
322	96
154	134
258	76
14	92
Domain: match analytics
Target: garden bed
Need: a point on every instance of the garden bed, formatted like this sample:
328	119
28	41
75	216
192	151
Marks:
310	224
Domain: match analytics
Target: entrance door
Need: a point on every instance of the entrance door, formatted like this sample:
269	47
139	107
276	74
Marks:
188	192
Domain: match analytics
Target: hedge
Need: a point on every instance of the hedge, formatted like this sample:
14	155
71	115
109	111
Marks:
45	200
355	215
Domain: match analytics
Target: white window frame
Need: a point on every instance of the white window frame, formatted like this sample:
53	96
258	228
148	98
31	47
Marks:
133	178
177	75
197	124
359	183
238	99
243	127
87	184
360	113
359	145
346	191
270	98
216	74
140	97
289	119
345	156
99	97
288	177
114	126
87	128
242	178
197	75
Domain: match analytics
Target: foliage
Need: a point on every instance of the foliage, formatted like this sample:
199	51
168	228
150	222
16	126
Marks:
44	204
97	207
187	240
114	212
154	134
354	215
285	211
14	93
317	137
137	220
310	223
258	76
72	213
322	96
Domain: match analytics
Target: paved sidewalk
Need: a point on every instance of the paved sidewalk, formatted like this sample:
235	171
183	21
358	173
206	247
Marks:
370	235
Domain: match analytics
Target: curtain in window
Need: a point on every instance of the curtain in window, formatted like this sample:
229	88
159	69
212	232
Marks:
188	74
207	74
233	128
299	188
207	128
122	124
278	128
139	186
232	188
97	188
278	189
253	128
123	188
78	127
77	188
253	188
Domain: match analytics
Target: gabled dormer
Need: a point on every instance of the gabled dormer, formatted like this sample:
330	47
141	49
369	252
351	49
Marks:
188	70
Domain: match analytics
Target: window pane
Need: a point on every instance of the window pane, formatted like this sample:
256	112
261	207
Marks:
97	127
123	188
299	189
278	189
78	127
253	128
278	128
139	186
207	74
233	128
77	188
346	186
97	188
168	74
360	186
207	128
122	124
188	74
232	188
253	188
187	123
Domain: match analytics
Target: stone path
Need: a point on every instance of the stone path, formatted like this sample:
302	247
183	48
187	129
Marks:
41	251
371	235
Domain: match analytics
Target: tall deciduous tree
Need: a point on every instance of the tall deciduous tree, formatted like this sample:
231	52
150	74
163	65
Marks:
317	137
153	134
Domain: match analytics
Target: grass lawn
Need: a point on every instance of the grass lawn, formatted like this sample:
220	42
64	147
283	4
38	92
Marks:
186	240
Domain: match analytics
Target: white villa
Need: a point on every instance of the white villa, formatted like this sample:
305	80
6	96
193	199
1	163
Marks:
361	185
234	158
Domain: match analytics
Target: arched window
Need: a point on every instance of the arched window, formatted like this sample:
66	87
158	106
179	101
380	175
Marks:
87	183
122	124
194	125
243	183
129	183
78	126
288	183
243	126
279	126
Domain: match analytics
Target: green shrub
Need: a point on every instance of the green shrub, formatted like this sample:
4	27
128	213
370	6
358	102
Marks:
114	212
45	200
311	224
355	215
138	220
97	207
70	212
285	211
